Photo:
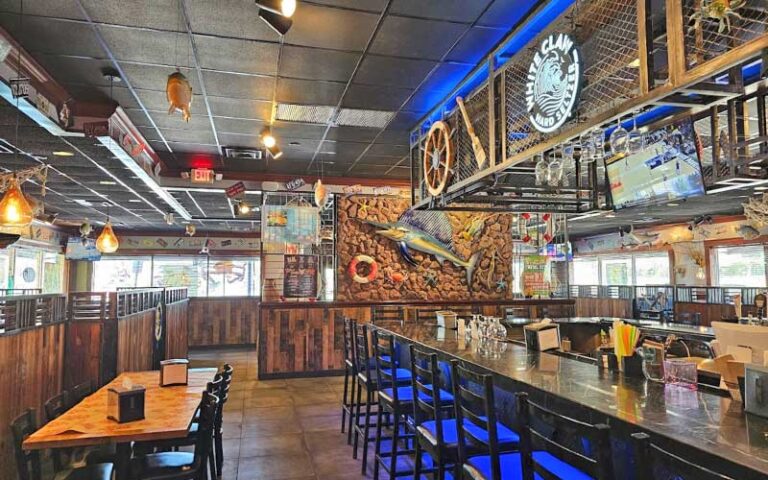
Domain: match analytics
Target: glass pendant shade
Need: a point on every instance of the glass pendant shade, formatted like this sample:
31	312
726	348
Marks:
107	241
15	210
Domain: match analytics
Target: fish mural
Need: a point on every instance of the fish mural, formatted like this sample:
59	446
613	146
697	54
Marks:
636	239
179	94
747	232
426	232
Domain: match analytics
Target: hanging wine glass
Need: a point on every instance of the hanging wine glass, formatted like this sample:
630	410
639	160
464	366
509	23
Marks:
541	171
619	140
587	148
636	140
569	163
555	171
598	141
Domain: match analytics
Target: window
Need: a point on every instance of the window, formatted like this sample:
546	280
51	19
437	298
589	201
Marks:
26	272
616	271
203	276
5	263
112	273
652	269
586	271
739	266
53	272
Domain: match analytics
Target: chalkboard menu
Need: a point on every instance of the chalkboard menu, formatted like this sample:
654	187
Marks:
300	280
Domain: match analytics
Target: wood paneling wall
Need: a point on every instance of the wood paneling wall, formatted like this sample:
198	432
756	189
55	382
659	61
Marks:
711	312
223	321
177	329
603	307
31	371
135	341
84	347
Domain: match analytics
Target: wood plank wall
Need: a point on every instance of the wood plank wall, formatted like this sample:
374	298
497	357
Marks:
711	312
223	321
83	347
304	341
31	371
603	307
135	341
177	329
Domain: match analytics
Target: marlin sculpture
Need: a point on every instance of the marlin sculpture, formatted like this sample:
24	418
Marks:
427	234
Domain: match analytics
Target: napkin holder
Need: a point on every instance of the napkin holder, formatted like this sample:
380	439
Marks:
174	372
542	336
446	319
125	404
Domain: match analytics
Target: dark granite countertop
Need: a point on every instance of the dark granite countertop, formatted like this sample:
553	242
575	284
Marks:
699	419
643	324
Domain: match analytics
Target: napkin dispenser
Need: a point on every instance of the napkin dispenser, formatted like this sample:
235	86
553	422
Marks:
174	372
756	390
125	404
446	319
542	336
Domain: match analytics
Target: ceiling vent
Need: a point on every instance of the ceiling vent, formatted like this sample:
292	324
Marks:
319	114
352	117
242	153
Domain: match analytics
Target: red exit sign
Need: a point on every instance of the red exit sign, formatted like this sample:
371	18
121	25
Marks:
202	175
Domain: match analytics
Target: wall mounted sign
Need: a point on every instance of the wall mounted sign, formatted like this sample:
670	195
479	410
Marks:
295	184
235	190
554	82
202	175
300	280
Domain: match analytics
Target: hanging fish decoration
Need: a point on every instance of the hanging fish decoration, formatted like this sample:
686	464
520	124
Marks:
190	230
179	94
321	194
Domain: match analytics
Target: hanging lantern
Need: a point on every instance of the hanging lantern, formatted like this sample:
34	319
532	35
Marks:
107	241
15	210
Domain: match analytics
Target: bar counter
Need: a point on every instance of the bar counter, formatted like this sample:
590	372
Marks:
703	427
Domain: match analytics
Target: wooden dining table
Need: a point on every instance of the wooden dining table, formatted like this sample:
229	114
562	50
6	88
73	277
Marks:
168	414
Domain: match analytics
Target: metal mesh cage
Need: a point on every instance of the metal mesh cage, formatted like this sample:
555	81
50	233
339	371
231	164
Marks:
709	33
606	32
465	164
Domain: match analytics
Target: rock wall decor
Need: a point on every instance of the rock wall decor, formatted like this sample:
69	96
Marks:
421	255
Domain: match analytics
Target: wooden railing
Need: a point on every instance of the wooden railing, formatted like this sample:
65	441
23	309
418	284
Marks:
7	292
25	311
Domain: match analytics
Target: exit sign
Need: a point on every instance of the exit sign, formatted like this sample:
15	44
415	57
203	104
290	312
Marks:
202	175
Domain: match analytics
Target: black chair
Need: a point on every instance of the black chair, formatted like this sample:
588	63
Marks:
654	462
182	465
218	431
476	426
78	393
28	463
54	407
435	430
350	372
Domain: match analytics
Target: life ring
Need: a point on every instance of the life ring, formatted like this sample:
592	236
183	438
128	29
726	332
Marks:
373	269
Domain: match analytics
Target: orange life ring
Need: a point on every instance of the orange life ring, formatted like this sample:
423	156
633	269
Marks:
373	269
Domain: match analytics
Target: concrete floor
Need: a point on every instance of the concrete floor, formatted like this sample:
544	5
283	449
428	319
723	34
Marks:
281	429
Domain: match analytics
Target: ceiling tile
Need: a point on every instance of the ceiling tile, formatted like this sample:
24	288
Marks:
353	134
147	46
158	101
475	45
174	121
202	136
317	63
506	14
156	78
452	10
239	19
296	130
334	28
386	150
238	86
37	32
405	120
440	84
163	14
58	8
241	126
394	137
308	92
240	108
232	55
398	72
425	39
375	98
370	5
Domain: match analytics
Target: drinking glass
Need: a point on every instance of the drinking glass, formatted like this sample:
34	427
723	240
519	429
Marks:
569	163
554	172
587	148
541	171
619	140
598	141
636	140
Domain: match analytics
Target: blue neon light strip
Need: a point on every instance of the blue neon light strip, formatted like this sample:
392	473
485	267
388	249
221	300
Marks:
533	27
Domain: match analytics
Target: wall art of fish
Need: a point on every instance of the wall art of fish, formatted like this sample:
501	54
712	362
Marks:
426	232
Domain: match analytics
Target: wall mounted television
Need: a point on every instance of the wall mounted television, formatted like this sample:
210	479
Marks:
668	169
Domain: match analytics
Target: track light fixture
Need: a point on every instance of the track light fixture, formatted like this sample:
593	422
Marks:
277	14
242	208
270	143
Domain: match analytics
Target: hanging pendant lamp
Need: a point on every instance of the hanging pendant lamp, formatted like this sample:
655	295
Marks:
15	210
107	241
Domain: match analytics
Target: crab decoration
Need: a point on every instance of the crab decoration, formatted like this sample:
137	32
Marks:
719	10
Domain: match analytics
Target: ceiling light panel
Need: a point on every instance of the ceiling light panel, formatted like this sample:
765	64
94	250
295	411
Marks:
352	117
319	114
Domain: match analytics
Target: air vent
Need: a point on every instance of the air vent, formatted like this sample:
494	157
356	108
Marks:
319	114
242	153
351	117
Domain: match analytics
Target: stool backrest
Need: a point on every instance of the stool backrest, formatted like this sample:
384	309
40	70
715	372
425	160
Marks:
54	407
474	402
542	429
362	353
385	359
27	462
209	406
220	388
649	456
79	392
426	390
349	342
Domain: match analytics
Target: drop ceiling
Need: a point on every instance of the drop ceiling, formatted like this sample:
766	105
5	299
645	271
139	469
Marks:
394	56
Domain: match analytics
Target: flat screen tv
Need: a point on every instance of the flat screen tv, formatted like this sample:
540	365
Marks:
668	169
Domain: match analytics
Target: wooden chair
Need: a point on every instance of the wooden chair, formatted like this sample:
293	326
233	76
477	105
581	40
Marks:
650	457
28	463
182	465
78	393
350	372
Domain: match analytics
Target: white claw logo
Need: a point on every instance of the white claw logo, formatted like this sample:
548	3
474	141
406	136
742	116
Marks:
554	81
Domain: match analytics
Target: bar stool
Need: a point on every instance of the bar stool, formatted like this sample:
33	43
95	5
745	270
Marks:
366	382
28	464
350	372
78	393
649	456
218	428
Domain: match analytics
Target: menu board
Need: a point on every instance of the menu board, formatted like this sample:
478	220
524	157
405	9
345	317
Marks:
535	283
290	224
300	278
